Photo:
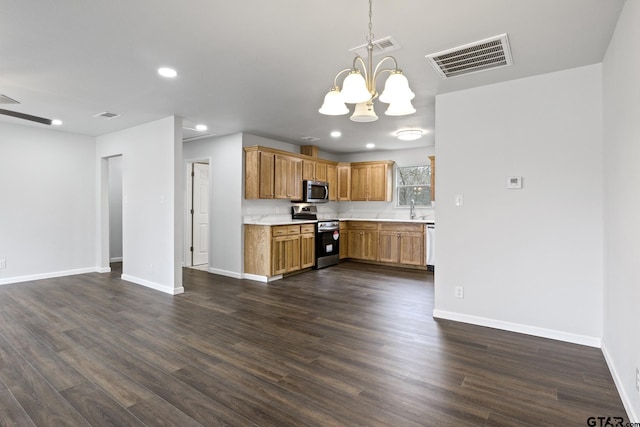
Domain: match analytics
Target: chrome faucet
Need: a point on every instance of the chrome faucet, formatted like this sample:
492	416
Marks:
412	211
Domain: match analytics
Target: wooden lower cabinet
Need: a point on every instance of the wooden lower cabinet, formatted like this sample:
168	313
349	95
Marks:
275	250
362	240
307	246
387	242
344	240
402	243
285	254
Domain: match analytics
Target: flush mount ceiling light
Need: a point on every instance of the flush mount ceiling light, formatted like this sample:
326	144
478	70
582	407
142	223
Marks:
56	122
409	134
201	128
336	134
167	72
359	87
370	145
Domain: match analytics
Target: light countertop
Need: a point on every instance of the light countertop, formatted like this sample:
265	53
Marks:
267	221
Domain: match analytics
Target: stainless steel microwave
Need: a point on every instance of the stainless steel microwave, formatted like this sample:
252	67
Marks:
315	191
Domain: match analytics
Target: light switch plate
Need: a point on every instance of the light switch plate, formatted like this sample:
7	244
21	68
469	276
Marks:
459	200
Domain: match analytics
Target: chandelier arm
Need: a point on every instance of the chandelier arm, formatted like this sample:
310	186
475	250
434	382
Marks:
335	80
364	65
377	72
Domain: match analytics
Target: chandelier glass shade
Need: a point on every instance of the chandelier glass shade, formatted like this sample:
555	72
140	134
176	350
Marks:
359	87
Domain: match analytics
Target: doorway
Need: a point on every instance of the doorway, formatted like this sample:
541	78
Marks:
115	213
198	211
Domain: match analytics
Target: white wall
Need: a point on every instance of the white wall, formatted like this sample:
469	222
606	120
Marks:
226	177
621	336
152	202
47	209
530	260
115	209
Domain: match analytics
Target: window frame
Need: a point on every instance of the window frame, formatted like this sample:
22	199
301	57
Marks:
397	185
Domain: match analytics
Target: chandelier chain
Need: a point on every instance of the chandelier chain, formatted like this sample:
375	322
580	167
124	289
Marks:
370	36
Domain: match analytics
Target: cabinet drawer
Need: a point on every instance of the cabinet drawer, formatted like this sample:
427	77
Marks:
307	228
363	225
285	230
402	227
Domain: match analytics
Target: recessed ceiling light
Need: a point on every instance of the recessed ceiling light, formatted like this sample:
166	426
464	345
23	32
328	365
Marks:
409	134
201	128
370	145
336	134
167	72
56	122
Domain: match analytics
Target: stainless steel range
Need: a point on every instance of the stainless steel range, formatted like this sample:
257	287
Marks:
327	235
327	243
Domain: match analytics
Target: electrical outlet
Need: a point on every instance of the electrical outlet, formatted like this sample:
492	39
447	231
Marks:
3	263
637	380
459	292
459	200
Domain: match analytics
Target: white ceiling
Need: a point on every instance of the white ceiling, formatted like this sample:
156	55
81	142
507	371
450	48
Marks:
263	67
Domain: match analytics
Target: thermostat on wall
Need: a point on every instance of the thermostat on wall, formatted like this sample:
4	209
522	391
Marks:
514	182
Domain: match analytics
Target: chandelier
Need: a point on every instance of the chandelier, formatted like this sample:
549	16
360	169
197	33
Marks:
359	87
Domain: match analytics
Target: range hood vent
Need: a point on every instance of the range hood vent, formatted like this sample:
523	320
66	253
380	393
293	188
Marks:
482	55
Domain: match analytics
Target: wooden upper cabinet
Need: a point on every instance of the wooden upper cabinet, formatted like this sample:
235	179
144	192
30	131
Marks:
288	178
344	182
314	170
267	175
308	169
332	179
372	181
321	171
359	186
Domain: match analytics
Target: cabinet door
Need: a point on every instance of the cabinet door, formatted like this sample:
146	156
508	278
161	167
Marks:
307	250
412	249
321	172
288	178
377	183
285	254
344	182
281	177
359	181
354	244
308	169
295	179
266	175
292	251
332	179
344	240
278	256
370	245
388	246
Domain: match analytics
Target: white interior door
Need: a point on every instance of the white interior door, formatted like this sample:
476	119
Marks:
200	213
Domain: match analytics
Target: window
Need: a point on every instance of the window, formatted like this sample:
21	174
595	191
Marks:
413	183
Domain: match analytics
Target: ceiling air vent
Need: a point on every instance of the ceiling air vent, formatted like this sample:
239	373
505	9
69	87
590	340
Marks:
482	55
380	46
107	115
310	139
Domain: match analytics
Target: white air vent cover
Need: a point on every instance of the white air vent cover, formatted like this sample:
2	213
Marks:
4	99
380	46
310	139
482	55
107	115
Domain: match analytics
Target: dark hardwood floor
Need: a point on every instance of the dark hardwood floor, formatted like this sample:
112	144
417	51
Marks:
349	345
